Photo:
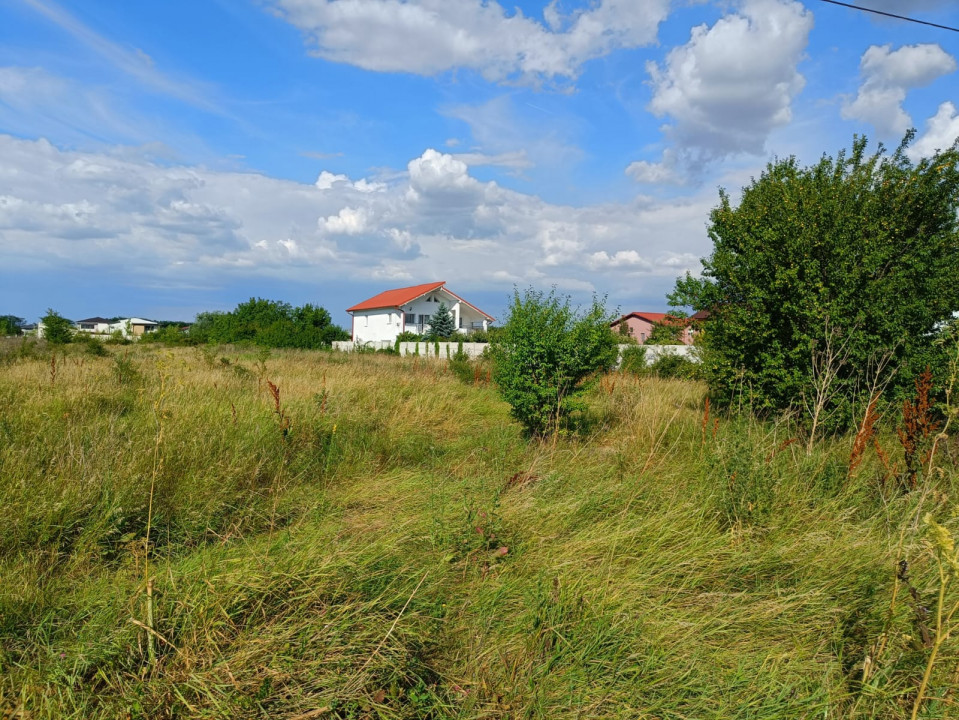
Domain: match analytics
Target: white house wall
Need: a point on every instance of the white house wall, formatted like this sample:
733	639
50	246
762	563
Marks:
376	325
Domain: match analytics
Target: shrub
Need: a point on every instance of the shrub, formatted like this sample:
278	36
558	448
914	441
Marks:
96	347
57	330
830	279
545	355
670	365
11	325
633	360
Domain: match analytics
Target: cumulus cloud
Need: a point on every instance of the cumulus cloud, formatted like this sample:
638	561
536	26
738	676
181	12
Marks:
730	86
432	36
665	172
118	210
327	180
942	131
620	259
887	76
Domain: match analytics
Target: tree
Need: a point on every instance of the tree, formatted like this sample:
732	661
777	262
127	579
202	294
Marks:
10	325
57	330
849	263
667	332
442	325
269	323
545	354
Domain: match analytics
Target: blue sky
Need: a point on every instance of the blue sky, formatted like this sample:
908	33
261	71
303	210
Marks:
160	159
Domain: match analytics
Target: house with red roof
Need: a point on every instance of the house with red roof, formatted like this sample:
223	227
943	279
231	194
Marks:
640	325
382	317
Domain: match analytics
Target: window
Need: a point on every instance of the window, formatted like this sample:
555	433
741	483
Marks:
424	319
410	319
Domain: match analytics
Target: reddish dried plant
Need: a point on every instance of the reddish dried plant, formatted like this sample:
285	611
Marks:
866	432
283	420
917	430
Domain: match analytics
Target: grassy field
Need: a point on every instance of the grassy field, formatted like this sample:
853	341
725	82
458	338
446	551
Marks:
376	539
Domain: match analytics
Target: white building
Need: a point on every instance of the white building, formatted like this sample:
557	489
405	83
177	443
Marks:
384	316
94	325
128	327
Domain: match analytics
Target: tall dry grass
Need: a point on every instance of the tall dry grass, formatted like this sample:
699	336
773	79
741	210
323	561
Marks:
374	538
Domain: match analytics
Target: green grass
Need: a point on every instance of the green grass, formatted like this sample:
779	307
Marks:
403	552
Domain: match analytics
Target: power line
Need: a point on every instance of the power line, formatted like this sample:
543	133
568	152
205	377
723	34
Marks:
887	14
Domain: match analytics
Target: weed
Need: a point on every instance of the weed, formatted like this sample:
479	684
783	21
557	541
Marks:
917	432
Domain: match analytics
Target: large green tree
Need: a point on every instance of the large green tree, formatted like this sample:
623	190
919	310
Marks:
829	280
545	354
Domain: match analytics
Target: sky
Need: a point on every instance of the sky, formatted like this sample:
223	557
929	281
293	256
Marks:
168	158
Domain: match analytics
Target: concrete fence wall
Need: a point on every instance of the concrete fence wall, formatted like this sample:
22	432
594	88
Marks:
425	349
654	352
448	349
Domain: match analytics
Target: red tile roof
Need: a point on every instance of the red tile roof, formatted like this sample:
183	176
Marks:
396	298
402	296
653	317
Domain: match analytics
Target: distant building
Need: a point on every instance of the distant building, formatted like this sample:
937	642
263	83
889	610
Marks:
128	327
639	325
93	325
383	317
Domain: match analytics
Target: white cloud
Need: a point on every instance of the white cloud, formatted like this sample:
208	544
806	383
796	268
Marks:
160	223
731	84
942	131
432	36
665	172
621	259
348	221
887	76
517	160
327	180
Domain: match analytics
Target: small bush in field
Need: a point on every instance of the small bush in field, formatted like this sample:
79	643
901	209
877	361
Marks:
96	347
674	366
461	366
545	355
634	360
57	330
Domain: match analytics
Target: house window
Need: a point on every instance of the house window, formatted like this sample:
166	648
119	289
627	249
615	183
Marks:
642	336
461	322
410	319
424	319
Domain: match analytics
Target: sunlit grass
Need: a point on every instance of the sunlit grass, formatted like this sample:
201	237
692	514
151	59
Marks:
402	551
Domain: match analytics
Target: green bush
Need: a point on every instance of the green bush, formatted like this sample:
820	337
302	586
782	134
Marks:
269	323
828	280
57	330
633	360
11	325
546	354
670	365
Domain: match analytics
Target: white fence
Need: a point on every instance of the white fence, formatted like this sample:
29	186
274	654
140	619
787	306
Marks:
448	349
654	352
422	348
